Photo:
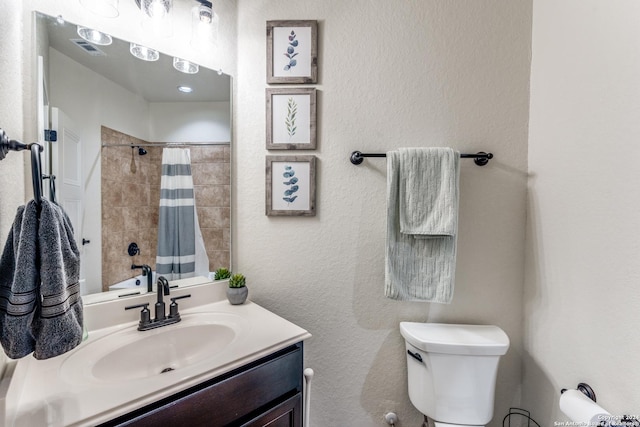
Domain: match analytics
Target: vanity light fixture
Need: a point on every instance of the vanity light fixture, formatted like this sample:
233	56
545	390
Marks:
104	8
156	17
94	36
185	66
205	11
143	52
155	9
185	89
204	25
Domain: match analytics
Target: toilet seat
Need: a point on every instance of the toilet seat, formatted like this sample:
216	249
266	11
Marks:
439	424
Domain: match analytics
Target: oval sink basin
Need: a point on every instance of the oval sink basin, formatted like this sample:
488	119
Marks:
130	354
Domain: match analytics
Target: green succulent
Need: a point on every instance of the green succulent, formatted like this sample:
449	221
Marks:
222	273
237	281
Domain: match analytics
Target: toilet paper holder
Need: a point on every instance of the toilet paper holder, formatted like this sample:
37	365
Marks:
625	420
585	389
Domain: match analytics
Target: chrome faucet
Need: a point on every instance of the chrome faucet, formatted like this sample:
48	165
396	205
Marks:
146	271
160	319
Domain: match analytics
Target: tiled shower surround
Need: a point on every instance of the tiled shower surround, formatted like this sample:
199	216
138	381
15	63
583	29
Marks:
130	198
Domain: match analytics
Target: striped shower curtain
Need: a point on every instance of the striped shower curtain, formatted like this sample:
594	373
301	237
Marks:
181	251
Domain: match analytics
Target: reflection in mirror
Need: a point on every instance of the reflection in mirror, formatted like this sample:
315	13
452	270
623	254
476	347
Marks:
114	114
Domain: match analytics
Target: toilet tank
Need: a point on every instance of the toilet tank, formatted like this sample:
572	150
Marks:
455	380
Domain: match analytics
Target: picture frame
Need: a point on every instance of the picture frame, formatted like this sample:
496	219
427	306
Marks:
290	186
292	52
291	118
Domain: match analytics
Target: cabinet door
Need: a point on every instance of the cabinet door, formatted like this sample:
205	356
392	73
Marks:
287	414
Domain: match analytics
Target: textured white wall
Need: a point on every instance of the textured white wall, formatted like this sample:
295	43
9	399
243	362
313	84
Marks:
583	229
11	104
391	74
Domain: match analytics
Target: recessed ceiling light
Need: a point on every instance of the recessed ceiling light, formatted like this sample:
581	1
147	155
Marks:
94	36
144	53
185	66
185	89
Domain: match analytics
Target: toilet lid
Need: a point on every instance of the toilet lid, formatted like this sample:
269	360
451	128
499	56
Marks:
476	340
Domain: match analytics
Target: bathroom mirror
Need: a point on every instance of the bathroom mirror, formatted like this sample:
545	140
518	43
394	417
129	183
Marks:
114	113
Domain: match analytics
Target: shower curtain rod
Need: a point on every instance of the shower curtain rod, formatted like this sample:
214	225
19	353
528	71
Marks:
479	159
168	144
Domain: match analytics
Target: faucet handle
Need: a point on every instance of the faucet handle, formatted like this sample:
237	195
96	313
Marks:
173	307
180	297
145	314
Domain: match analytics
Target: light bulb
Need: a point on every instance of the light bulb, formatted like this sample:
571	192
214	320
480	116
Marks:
185	66
94	36
157	9
205	13
143	52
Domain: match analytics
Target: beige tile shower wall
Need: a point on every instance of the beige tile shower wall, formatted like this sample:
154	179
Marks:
212	185
130	204
130	183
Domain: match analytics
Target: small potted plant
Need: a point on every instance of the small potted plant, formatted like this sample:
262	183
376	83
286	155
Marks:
237	291
221	273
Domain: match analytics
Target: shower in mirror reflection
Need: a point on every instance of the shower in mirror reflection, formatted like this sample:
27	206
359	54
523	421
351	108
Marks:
141	152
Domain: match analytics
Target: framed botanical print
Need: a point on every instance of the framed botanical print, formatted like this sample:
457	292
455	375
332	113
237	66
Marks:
291	186
291	119
292	51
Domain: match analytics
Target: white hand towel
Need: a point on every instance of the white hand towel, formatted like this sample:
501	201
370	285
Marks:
422	219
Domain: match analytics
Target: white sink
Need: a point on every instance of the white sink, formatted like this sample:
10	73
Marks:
129	354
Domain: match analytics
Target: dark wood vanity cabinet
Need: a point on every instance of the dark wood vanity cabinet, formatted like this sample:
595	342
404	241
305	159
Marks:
267	392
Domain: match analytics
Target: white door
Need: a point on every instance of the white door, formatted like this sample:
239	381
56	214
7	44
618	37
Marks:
66	165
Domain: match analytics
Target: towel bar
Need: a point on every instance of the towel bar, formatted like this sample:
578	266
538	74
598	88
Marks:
7	145
480	158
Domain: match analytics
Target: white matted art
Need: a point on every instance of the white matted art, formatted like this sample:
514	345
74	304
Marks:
291	119
292	51
291	186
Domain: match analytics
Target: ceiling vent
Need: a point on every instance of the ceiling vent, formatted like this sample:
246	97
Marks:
87	47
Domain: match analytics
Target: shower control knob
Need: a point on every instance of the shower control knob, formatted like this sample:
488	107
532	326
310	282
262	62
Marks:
133	249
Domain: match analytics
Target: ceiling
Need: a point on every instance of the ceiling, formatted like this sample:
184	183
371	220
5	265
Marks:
154	81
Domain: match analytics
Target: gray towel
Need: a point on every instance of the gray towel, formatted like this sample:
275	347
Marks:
58	326
422	221
40	305
19	279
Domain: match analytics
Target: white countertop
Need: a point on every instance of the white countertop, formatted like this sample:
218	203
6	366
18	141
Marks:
40	395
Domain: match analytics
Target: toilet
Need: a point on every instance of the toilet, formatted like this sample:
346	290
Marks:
452	371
